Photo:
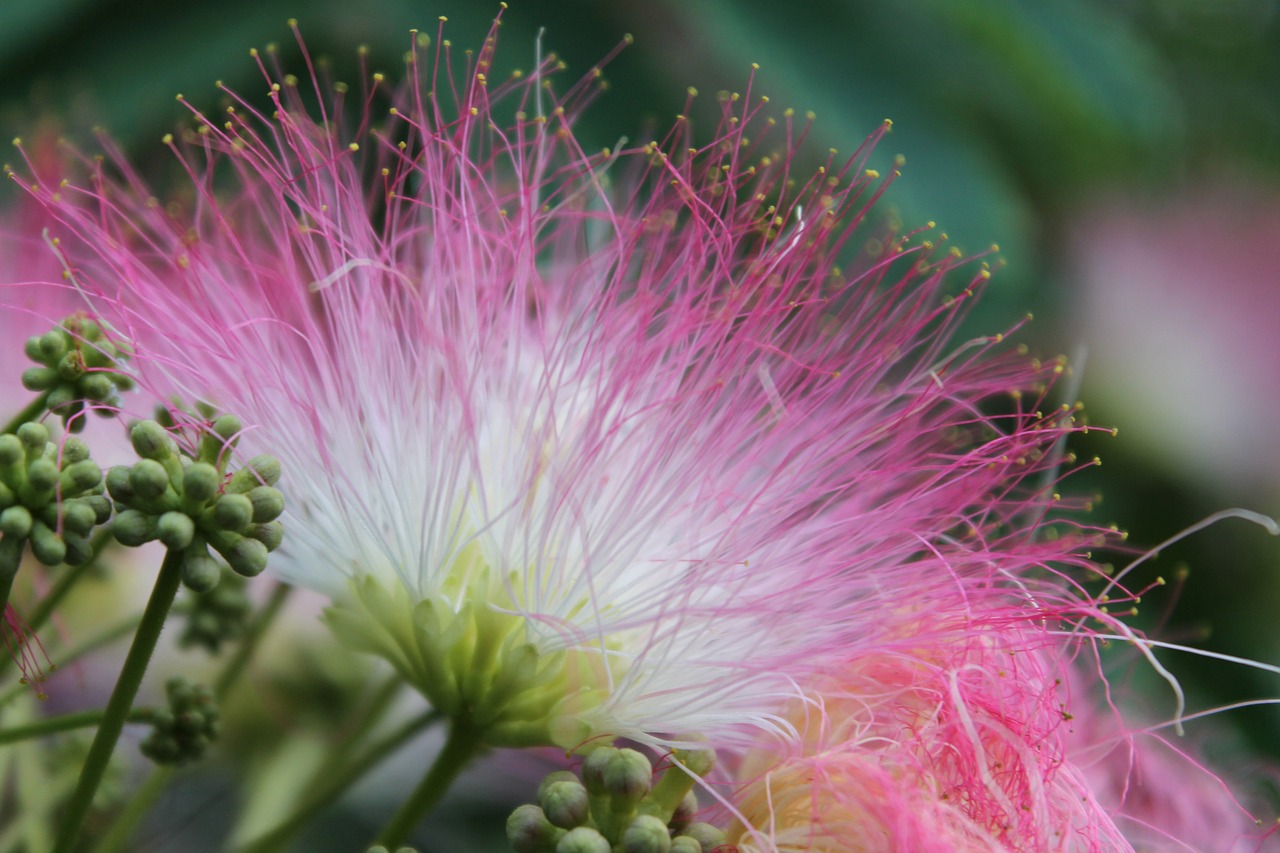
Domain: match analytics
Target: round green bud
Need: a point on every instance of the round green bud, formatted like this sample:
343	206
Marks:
34	436
79	548
685	811
11	451
627	777
148	479
71	366
74	450
97	387
233	512
42	474
583	840
270	534
267	502
175	530
200	482
151	441
594	766
78	517
647	834
227	427
100	505
52	345
258	471
377	848
47	546
247	557
62	399
39	378
32	348
685	844
16	522
529	831
132	527
118	483
200	572
80	476
565	804
553	777
705	834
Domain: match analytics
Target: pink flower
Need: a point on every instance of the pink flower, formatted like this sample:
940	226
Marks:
585	444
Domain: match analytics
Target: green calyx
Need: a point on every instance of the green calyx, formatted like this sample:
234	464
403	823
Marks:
77	366
190	504
52	499
181	733
617	807
473	660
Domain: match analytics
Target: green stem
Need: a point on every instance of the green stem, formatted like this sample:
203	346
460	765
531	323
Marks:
10	558
33	410
140	804
65	723
118	706
463	743
275	839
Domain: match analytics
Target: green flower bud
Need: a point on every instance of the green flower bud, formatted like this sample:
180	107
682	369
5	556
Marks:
233	512
258	471
79	476
101	507
39	378
565	804
646	834
16	522
583	840
270	534
71	366
132	527
34	436
200	482
627	778
706	835
175	530
247	557
97	387
78	517
118	484
74	450
685	812
200	572
267	502
47	546
60	399
11	451
227	427
42	475
553	777
152	441
685	844
148	479
79	548
529	831
594	766
52	345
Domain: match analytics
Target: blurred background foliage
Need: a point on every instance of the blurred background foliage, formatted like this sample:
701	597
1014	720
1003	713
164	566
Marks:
1064	130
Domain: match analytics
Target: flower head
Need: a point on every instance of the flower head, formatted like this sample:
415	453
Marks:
585	444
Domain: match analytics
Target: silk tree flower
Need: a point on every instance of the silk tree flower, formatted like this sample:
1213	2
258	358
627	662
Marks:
584	444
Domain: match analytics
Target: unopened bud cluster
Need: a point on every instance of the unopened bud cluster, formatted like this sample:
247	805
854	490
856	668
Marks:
77	365
218	616
617	807
191	505
182	733
53	499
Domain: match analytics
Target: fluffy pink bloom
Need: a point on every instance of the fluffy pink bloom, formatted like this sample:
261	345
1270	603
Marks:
619	424
989	741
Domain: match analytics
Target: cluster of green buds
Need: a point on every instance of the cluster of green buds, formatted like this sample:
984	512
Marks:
77	365
52	499
219	615
182	732
190	504
618	807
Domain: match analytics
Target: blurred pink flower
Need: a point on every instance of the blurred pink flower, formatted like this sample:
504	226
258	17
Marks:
586	444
